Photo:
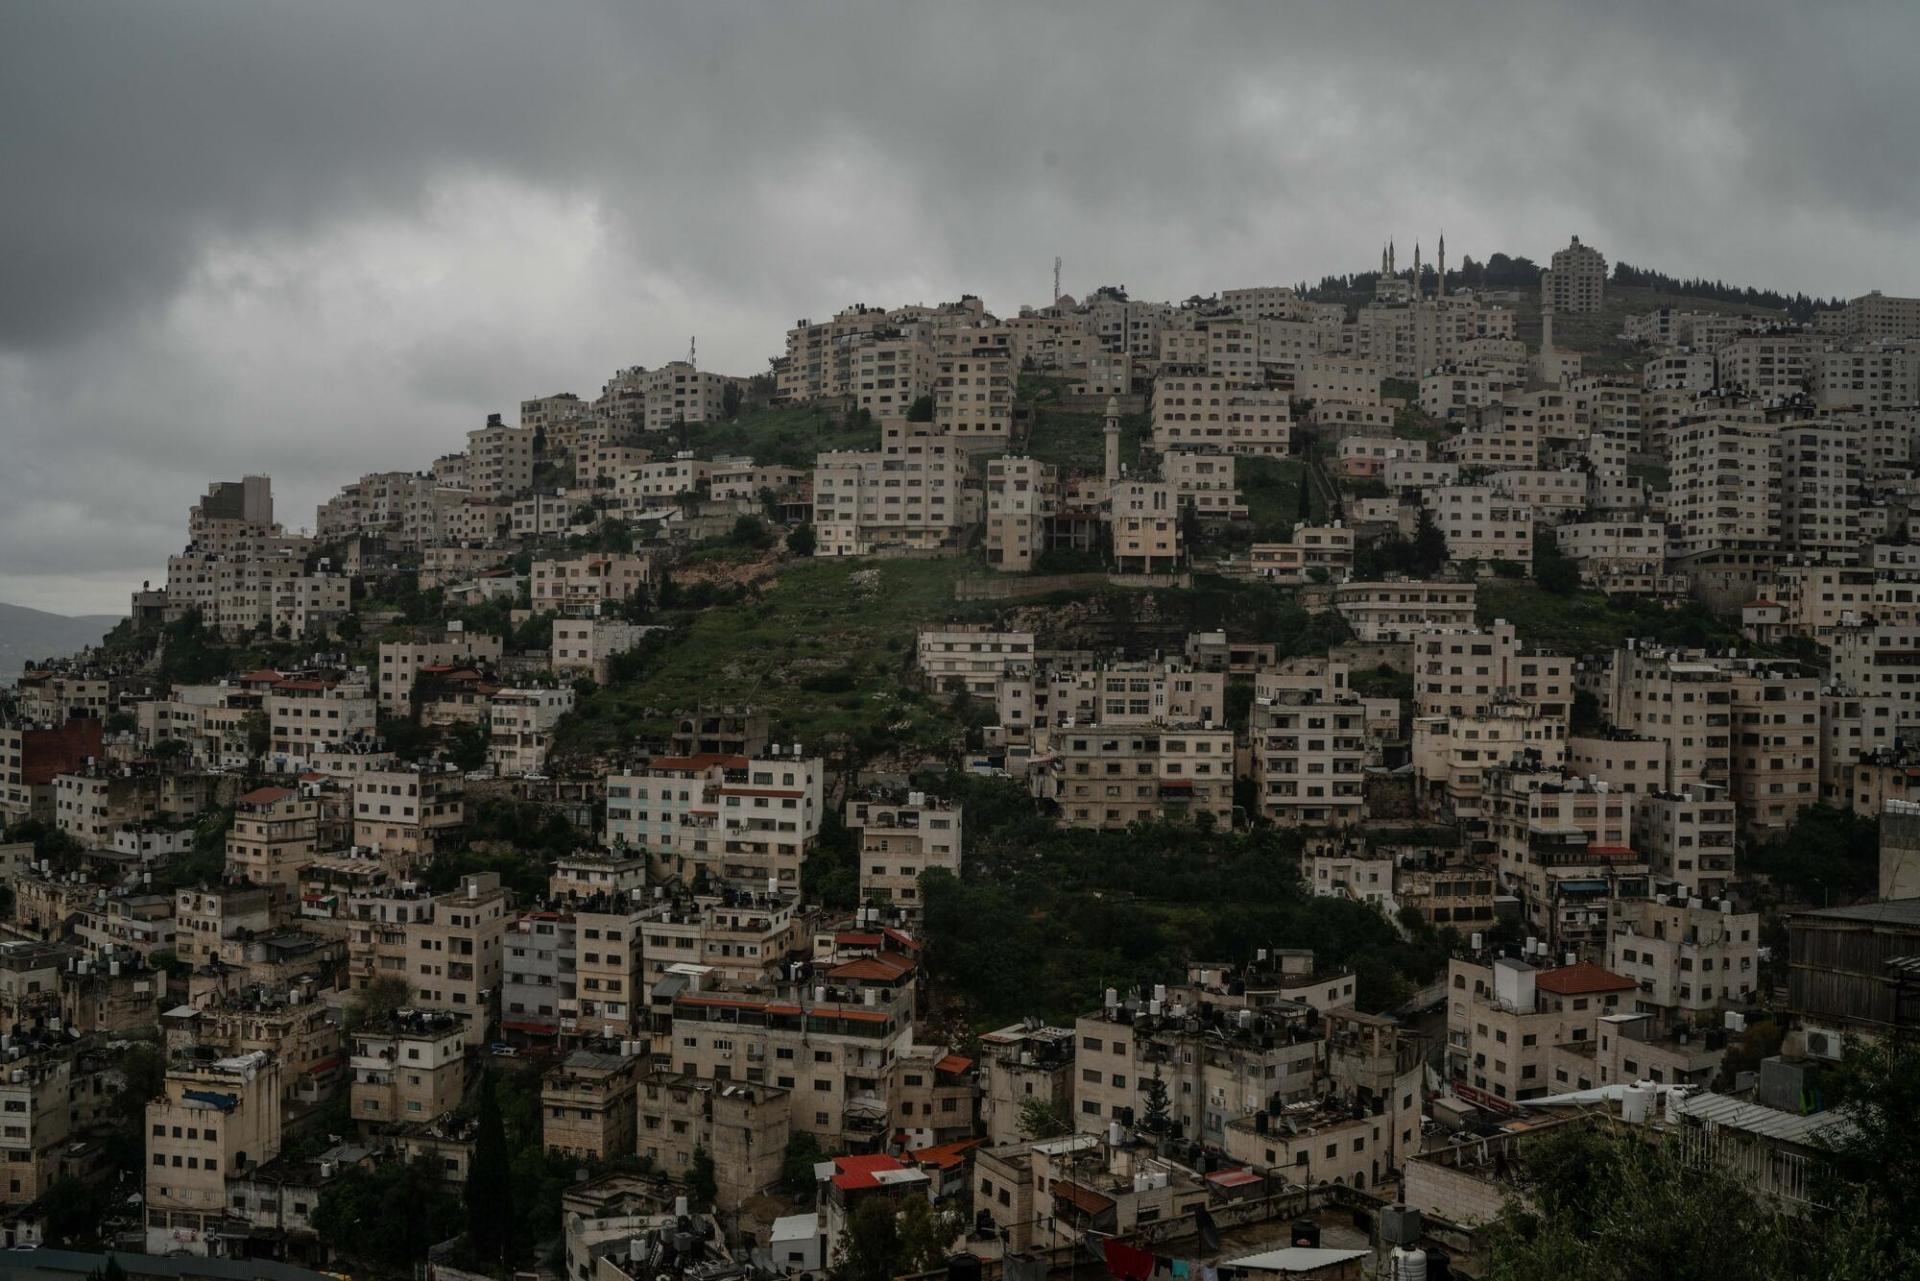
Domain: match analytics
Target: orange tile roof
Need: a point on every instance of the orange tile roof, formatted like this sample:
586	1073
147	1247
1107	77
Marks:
1582	979
945	1156
266	795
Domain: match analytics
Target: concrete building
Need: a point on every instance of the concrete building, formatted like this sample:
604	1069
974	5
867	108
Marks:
588	1104
1482	523
410	1069
1578	280
974	658
1506	1016
1399	610
587	583
901	839
1687	838
1020	498
213	1118
1464	673
500	460
1681	698
273	837
908	493
1113	778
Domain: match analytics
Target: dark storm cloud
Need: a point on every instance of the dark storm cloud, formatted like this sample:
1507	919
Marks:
317	239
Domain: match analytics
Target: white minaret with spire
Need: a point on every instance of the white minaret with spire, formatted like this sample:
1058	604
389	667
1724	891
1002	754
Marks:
1549	363
1416	271
1441	290
1113	443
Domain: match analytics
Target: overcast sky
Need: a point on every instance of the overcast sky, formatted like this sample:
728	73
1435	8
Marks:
319	239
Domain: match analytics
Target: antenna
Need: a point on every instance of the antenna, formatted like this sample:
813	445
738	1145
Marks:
1056	277
691	362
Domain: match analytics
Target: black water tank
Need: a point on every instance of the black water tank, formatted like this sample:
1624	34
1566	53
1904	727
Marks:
963	1267
1306	1234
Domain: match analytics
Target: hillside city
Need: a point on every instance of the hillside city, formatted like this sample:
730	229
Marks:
1414	775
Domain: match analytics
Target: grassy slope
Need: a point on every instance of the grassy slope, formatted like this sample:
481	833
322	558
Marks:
814	622
783	435
1070	439
1272	490
1596	334
1585	622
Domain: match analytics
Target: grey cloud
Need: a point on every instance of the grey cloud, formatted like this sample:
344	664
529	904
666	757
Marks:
747	164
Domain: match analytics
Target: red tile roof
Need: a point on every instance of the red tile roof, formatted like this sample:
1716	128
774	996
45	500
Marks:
266	795
954	1063
857	1171
1583	979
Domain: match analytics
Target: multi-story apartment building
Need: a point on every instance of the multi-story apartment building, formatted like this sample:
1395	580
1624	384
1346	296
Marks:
1562	846
205	916
499	460
586	584
743	1126
1687	838
1769	364
587	1104
1505	1018
1681	698
1774	755
405	816
305	715
212	1118
971	658
1024	1066
1452	754
1465	673
1577	281
410	1068
33	756
401	662
1193	409
35	1123
741	936
274	836
1113	778
1146	527
973	385
1819	470
1482	523
910	492
1021	495
1316	553
900	839
448	947
1692	957
520	725
1401	609
834	1045
1203	483
1310	751
1216	1065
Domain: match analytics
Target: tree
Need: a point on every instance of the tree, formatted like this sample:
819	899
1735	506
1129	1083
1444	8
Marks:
703	1185
73	1211
886	1239
1156	1117
1554	572
1429	551
1040	1119
466	746
489	1185
389	1215
377	1003
730	398
802	541
796	1166
921	410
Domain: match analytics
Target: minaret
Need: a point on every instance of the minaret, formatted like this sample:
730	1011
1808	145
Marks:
1391	267
1383	257
1441	290
1549	367
1416	271
1113	443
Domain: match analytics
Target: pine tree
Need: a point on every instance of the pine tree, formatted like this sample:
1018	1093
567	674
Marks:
703	1185
1159	1117
490	1186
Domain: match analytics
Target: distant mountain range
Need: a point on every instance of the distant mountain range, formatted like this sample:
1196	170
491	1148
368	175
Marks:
29	635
